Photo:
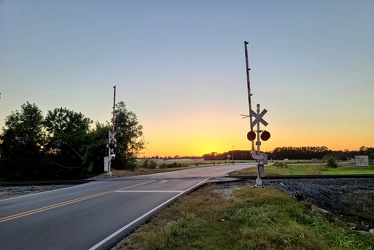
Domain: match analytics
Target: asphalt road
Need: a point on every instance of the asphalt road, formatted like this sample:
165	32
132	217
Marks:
95	215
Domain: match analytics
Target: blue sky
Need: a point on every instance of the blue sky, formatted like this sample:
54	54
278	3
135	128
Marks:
179	65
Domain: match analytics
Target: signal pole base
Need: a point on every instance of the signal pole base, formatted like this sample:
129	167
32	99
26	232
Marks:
258	182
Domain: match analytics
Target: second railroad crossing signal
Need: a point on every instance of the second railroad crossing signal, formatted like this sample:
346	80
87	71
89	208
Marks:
112	137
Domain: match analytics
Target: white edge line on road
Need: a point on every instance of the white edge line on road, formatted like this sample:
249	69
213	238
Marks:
149	191
143	216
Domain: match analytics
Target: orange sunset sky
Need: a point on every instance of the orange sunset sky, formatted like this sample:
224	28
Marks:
180	67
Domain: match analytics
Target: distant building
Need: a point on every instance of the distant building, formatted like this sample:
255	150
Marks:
361	160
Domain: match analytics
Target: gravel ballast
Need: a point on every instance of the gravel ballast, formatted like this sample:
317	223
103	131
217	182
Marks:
348	199
14	191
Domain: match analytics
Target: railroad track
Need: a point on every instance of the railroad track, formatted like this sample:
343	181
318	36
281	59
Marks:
81	181
330	176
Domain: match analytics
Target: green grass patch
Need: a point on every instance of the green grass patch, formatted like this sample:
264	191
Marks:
290	169
252	218
349	170
305	169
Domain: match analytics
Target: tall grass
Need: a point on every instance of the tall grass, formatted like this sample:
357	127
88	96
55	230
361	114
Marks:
252	218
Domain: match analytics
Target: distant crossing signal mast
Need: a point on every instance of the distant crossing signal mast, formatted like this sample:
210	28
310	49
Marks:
255	131
111	145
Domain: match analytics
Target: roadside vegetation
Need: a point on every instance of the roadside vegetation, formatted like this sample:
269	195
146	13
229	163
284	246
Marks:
152	166
63	144
294	167
283	168
296	153
248	218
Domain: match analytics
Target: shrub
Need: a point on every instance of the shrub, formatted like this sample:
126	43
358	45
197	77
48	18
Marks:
163	165
281	164
171	165
331	161
150	164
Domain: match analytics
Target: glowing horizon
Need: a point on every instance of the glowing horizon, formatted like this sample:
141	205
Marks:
180	67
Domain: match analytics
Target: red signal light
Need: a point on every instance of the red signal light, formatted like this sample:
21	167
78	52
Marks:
251	135
265	135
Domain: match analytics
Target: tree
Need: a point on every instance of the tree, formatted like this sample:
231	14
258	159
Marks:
67	134
22	140
129	135
95	148
280	153
62	145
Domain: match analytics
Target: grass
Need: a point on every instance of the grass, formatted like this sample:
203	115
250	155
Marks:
252	218
292	168
349	170
307	169
185	164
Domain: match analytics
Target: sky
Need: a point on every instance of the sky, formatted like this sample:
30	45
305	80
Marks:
180	67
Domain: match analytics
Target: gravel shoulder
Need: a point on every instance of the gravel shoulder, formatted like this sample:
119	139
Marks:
14	191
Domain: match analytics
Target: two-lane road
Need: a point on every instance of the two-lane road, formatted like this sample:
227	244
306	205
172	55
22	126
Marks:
97	214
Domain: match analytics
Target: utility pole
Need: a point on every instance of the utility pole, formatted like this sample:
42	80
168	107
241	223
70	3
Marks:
111	140
260	134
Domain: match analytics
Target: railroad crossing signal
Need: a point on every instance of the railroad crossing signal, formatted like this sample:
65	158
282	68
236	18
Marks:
111	140
259	118
251	135
112	137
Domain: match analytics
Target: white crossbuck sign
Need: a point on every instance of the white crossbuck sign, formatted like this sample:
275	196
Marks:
259	118
111	137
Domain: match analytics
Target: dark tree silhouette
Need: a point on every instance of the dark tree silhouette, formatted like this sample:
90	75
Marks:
21	142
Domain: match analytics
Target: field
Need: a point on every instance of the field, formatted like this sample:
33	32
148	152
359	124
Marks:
272	169
306	169
168	165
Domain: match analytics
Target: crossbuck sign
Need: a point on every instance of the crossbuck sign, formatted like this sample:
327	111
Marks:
259	118
112	137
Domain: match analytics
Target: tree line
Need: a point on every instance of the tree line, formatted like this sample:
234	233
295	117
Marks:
294	153
62	145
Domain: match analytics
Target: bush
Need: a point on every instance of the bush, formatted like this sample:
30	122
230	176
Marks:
163	165
149	164
281	164
331	161
171	165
